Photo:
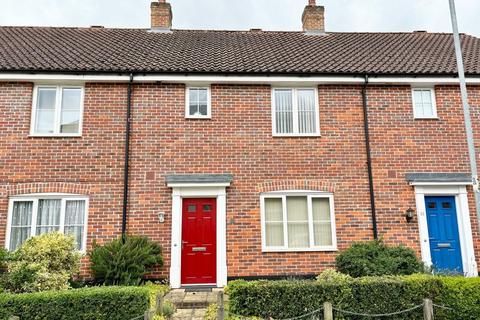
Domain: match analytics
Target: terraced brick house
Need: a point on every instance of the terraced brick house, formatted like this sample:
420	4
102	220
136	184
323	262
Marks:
246	154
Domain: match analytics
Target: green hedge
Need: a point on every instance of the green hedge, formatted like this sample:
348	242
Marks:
98	303
377	295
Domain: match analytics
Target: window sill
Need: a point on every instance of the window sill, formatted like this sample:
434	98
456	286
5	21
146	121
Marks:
426	118
310	135
199	117
73	135
319	249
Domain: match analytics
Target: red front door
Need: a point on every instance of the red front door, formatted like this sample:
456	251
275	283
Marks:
199	241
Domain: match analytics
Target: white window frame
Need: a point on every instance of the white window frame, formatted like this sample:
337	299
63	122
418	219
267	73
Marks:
295	113
47	196
432	97
187	102
58	111
296	193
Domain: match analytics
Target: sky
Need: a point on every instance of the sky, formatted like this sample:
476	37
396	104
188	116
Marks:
341	15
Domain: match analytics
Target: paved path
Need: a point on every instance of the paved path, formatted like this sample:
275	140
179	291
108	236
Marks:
191	305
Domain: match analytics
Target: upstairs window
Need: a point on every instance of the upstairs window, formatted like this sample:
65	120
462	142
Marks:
295	112
198	105
35	215
296	221
424	103
57	111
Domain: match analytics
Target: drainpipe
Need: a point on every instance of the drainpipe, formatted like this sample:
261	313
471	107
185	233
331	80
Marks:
369	157
127	158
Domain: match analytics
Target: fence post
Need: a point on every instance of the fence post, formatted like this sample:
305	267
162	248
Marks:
220	310
159	304
427	309
327	311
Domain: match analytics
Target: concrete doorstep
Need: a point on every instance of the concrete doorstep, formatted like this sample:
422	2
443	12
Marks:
192	305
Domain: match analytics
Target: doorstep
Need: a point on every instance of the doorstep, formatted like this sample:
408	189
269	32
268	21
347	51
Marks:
187	299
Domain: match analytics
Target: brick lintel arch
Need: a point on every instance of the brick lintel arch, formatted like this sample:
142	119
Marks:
299	184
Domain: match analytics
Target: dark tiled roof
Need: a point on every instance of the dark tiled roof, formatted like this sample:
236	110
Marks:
185	51
438	177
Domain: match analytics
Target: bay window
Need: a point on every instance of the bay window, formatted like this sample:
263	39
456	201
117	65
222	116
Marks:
298	221
35	215
295	112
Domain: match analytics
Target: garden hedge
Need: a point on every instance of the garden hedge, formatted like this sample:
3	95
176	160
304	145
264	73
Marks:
377	295
97	303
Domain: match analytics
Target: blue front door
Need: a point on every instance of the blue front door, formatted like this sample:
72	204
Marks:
443	234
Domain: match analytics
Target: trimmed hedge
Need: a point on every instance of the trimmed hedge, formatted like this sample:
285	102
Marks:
372	295
97	303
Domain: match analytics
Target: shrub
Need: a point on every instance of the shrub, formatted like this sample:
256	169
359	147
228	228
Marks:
287	299
125	262
211	313
460	294
101	303
374	258
44	262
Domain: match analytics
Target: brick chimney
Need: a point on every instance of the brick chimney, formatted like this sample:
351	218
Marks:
161	14
313	18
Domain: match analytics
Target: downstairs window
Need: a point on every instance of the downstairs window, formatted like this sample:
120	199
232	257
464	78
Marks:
35	215
296	221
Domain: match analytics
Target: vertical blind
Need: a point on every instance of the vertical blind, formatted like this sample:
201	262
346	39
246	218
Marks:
306	221
295	111
48	219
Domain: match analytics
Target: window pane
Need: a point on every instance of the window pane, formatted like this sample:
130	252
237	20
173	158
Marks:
71	100
193	96
77	233
75	219
48	216
194	109
306	111
322	228
321	209
297	222
274	222
274	234
45	114
284	111
203	109
273	209
203	95
74	212
322	233
21	223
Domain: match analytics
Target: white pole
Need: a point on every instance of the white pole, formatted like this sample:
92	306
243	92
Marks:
466	107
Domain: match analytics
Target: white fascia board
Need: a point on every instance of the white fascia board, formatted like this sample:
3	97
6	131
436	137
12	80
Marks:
233	79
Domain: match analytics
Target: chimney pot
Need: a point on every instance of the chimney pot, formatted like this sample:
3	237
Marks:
313	18
161	16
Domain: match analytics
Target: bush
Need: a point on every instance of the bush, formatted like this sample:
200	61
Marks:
125	263
374	258
101	303
45	262
372	295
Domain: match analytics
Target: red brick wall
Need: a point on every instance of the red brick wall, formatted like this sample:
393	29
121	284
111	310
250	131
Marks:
236	140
